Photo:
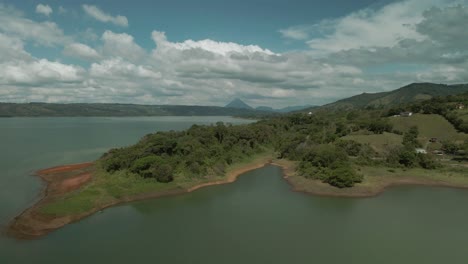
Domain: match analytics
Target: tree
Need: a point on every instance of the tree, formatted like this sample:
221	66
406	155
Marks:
410	138
351	147
450	147
343	177
380	126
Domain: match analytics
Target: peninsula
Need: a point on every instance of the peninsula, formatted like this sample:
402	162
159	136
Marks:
354	153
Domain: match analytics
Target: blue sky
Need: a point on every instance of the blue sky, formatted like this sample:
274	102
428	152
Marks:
273	53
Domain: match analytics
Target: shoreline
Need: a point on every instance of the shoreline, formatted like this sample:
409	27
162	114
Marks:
32	224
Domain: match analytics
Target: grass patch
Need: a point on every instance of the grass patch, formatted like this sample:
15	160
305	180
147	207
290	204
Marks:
447	174
73	204
379	142
377	178
463	114
429	126
104	189
107	188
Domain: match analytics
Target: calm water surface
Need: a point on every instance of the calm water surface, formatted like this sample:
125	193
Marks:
254	220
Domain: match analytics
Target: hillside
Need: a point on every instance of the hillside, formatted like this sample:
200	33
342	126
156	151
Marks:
411	93
46	109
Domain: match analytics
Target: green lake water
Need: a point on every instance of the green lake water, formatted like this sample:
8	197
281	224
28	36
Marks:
257	219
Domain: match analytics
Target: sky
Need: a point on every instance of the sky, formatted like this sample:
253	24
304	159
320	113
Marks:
206	52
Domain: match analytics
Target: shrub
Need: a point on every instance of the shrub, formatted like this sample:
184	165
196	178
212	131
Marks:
343	177
144	163
351	147
427	162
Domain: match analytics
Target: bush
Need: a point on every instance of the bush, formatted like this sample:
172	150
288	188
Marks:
343	177
351	147
163	173
325	155
144	163
408	158
410	138
427	162
380	126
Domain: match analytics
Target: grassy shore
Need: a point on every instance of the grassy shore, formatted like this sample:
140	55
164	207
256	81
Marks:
110	188
378	179
61	206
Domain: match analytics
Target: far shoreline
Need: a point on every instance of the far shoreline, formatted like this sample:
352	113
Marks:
32	224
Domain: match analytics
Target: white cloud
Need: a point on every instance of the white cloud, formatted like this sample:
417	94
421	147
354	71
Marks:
368	28
81	51
301	32
12	48
47	33
45	10
444	42
209	72
39	72
221	48
118	69
121	45
100	15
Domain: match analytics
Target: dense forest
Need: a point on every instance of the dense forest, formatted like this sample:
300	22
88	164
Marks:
318	142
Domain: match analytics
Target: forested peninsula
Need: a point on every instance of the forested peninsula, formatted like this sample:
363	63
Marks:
353	153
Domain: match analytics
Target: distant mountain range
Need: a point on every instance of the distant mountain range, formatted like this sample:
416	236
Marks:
410	93
46	109
407	94
239	104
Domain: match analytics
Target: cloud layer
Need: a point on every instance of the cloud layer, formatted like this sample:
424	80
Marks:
369	50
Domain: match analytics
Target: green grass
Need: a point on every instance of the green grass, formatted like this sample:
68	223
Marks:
108	188
447	174
463	114
429	126
379	142
104	189
378	178
76	204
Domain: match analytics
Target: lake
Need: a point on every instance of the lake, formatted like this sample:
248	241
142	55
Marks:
257	219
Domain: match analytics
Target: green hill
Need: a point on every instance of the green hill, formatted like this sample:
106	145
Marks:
429	126
411	93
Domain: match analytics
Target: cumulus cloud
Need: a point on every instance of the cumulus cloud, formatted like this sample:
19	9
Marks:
368	28
45	10
296	33
117	68
121	45
47	33
12	48
81	51
370	50
443	42
100	15
39	72
221	48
